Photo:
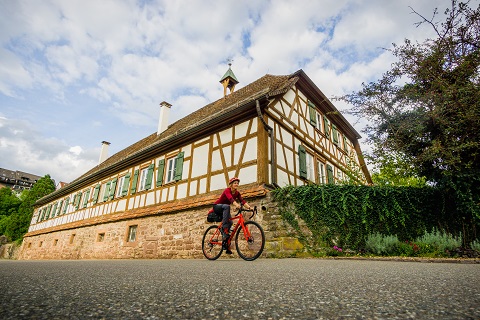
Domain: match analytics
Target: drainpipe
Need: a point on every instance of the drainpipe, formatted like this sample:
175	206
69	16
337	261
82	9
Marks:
273	158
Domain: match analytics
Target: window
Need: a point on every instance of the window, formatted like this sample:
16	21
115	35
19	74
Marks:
174	168
302	162
101	237
40	244
132	233
321	172
143	179
55	242
310	167
121	181
335	135
330	177
72	238
315	117
326	125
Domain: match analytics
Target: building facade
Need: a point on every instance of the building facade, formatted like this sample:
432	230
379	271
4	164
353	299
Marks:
150	200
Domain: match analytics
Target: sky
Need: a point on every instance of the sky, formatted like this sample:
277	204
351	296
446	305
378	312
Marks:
74	73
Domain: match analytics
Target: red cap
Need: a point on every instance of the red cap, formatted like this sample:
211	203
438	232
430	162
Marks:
233	180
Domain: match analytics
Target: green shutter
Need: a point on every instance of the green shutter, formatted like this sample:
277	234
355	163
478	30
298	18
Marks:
313	114
330	178
67	201
54	210
179	166
133	189
325	126
85	201
335	134
96	191
302	161
77	200
107	191
160	169
345	144
126	182
40	214
148	183
59	211
48	212
113	187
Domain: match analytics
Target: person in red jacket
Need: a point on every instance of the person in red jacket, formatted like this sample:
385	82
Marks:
229	197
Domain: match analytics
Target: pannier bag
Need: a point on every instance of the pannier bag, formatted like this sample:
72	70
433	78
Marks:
215	214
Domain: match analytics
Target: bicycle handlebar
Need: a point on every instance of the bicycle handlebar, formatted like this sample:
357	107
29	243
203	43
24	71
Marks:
254	211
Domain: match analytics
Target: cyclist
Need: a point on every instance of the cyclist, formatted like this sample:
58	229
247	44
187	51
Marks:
230	196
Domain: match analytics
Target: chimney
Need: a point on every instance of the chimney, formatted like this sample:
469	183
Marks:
104	152
163	119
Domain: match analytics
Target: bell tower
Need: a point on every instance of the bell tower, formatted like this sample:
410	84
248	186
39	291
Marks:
228	80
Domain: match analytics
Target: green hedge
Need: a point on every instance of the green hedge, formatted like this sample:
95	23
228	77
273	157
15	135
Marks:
345	215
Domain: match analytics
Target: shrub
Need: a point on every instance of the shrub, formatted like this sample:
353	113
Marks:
475	245
381	245
437	243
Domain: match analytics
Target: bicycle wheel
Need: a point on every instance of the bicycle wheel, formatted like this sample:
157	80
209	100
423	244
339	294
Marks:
250	249
212	243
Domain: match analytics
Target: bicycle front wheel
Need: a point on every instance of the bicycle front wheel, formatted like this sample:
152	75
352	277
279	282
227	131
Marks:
212	243
250	248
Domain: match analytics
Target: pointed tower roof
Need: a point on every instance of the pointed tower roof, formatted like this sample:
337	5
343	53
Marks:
229	80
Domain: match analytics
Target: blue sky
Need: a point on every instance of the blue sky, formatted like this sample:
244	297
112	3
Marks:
78	72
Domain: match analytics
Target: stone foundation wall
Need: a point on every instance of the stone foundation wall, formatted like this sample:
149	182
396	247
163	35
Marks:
176	235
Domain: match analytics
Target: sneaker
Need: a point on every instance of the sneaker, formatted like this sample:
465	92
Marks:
228	251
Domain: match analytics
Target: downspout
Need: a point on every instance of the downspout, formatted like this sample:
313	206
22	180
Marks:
273	171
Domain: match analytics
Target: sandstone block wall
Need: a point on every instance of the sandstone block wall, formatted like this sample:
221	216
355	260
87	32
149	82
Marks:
175	235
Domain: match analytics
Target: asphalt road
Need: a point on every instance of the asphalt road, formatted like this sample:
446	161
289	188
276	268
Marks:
236	289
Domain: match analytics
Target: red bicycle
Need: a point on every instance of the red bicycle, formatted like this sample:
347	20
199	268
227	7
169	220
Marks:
249	238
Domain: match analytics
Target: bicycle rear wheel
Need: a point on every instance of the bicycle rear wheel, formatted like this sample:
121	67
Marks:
251	248
212	243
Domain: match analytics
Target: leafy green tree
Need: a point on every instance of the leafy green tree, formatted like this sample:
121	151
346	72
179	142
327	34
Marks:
427	106
395	170
9	202
18	223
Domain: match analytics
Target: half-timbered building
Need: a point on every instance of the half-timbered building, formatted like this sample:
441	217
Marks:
150	200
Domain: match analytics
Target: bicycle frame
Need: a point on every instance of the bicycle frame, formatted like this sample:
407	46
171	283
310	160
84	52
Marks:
240	223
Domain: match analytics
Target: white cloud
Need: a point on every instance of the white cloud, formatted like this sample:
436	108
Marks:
74	73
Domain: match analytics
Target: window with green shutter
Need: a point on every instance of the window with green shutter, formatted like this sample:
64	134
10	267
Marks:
77	200
313	114
326	126
345	144
67	202
54	210
160	169
179	166
59	211
107	191
126	183
330	178
133	189
49	209
85	200
113	188
302	161
96	191
335	134
148	182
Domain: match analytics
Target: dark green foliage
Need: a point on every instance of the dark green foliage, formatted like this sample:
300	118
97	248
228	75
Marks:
16	225
345	215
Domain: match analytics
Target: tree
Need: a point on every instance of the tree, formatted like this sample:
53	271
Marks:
9	202
427	106
395	170
18	223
